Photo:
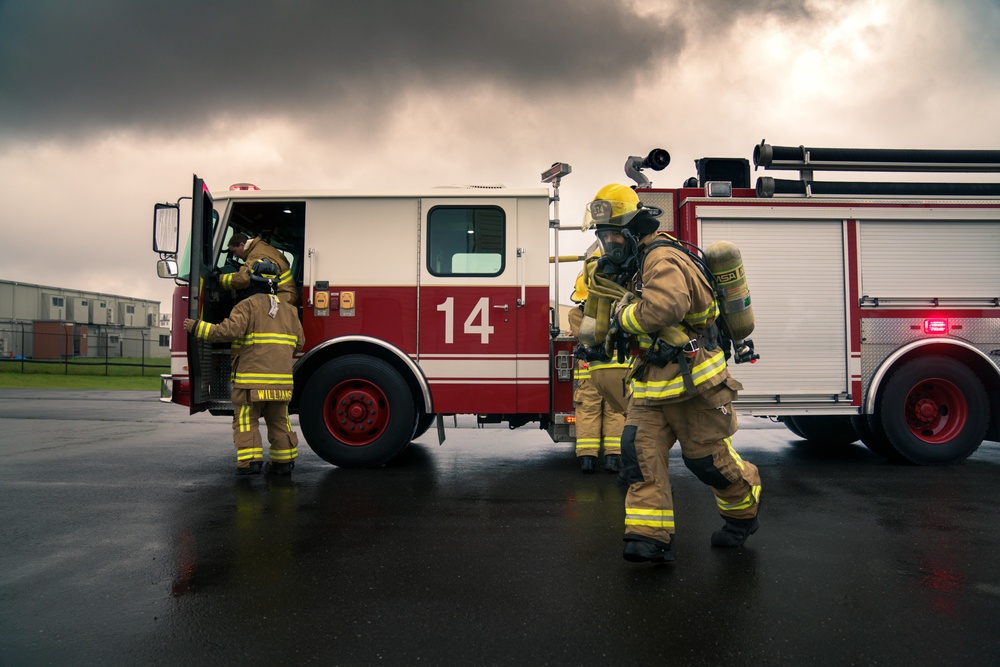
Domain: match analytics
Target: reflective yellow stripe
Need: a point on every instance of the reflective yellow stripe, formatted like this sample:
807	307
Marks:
612	442
244	418
249	453
732	452
698	319
278	379
285	278
226	280
284	454
628	321
581	374
672	388
601	365
749	501
588	443
203	329
635	516
269	338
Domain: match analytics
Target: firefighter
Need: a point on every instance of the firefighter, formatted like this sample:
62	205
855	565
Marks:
681	388
251	251
598	396
268	333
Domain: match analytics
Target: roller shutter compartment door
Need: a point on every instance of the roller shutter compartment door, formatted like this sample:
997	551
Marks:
795	272
907	259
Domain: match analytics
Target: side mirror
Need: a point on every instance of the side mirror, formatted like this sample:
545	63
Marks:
166	218
166	268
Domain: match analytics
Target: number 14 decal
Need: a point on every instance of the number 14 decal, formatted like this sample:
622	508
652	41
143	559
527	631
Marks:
480	312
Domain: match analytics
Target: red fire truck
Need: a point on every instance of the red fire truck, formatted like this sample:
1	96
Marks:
877	304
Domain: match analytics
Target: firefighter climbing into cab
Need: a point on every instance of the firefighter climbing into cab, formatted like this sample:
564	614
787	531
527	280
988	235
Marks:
251	251
681	388
598	394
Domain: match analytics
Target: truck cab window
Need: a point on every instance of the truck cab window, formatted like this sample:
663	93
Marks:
466	241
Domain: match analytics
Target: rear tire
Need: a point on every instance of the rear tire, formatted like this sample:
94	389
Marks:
357	411
873	437
828	430
934	410
790	425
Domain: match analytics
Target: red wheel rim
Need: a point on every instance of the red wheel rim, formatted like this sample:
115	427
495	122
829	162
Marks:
936	411
356	412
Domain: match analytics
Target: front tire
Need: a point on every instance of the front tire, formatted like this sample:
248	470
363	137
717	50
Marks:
424	422
934	411
357	411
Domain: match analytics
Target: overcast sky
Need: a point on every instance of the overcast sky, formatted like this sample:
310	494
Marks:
109	106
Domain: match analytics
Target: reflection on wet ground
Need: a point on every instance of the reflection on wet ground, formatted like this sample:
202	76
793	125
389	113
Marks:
128	539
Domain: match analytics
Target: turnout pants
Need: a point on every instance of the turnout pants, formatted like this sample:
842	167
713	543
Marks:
610	384
597	421
704	426
247	411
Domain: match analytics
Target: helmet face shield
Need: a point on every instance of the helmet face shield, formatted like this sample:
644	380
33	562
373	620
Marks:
597	212
613	205
606	213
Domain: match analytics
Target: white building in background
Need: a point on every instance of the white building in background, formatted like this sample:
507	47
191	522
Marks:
38	321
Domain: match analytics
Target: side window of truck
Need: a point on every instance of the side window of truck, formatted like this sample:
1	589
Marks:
466	240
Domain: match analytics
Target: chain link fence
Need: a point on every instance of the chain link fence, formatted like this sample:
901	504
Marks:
83	349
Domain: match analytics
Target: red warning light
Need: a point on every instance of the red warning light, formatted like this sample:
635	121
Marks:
935	326
243	186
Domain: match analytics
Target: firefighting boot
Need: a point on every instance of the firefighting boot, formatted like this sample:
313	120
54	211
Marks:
252	469
588	464
735	532
612	463
648	550
284	468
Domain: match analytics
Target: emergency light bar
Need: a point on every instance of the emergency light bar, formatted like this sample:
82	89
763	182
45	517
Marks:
243	186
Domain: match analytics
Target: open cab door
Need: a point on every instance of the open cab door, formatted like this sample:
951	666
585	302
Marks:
199	352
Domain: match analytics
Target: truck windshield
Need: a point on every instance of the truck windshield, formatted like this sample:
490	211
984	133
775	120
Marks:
184	266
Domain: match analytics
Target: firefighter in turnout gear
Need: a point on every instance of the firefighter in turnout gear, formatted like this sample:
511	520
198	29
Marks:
266	333
681	388
252	251
599	396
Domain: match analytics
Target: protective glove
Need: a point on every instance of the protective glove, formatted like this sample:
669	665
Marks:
189	325
623	302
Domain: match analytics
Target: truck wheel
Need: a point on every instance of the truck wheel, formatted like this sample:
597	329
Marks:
424	422
873	437
829	430
357	411
790	425
934	411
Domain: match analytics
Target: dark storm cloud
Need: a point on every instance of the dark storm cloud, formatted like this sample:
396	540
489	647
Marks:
69	67
983	25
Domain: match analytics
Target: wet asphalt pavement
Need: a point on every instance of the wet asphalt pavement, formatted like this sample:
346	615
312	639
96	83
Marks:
128	541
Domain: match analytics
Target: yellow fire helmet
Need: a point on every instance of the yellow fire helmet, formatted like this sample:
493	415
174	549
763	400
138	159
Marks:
613	206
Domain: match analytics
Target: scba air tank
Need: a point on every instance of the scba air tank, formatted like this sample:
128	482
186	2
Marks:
726	264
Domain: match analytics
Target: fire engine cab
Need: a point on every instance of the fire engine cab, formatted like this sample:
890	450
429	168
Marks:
877	305
414	305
